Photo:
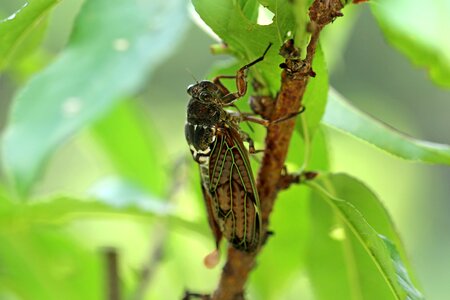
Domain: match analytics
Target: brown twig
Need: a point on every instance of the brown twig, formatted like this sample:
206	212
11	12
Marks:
112	274
294	79
149	268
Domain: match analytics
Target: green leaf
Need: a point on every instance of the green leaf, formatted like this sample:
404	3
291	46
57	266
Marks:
61	211
132	147
46	263
108	56
302	19
290	218
315	98
329	255
334	38
16	28
247	39
344	195
41	261
402	273
419	30
341	115
249	9
283	19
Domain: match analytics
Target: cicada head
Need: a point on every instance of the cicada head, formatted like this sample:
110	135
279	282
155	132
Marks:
204	113
205	92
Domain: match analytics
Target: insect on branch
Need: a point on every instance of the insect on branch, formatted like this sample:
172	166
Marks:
294	78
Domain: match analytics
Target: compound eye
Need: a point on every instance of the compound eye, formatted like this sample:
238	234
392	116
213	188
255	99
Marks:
205	96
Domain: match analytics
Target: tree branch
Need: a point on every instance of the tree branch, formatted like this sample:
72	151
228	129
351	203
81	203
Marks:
294	79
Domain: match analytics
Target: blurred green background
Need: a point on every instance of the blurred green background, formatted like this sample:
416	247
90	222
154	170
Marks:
374	76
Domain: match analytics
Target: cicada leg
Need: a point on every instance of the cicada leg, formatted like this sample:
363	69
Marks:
238	117
287	179
241	81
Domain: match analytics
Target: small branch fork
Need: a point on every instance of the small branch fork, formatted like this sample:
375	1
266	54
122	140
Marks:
271	180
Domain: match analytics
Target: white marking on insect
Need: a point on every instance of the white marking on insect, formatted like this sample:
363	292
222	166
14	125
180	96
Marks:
206	151
203	159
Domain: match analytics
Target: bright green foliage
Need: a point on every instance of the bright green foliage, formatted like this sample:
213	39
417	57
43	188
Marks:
51	108
333	238
419	31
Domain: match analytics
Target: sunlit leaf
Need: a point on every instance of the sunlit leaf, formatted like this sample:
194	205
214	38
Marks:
17	27
342	115
315	98
419	30
108	56
333	190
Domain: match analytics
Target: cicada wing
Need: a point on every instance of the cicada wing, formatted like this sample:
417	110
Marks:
210	207
232	187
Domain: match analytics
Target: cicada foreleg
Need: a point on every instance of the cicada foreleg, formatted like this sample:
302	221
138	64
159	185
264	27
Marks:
241	81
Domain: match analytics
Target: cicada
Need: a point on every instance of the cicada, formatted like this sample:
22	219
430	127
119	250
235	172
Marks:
216	144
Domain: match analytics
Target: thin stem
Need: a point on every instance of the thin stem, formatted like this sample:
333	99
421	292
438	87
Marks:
307	149
159	235
111	260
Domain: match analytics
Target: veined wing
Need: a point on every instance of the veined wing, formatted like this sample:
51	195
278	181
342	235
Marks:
233	191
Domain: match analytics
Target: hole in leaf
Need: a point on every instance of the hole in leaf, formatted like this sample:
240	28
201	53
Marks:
265	16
